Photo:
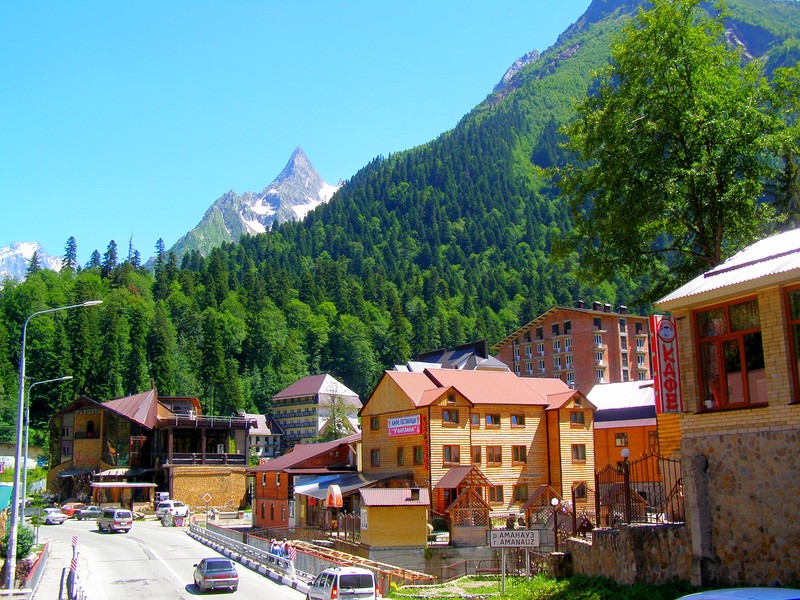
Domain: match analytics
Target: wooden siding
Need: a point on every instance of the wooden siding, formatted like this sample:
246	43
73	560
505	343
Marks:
606	451
392	526
573	471
669	434
387	446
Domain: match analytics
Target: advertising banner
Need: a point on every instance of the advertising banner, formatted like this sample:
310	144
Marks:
409	425
666	374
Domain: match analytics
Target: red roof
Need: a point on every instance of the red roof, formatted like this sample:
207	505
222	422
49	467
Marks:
302	453
141	408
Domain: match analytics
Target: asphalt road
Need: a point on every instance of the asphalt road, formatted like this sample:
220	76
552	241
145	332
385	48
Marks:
150	561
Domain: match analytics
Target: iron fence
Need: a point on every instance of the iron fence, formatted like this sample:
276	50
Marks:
646	490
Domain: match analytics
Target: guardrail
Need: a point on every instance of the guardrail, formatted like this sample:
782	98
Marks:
266	560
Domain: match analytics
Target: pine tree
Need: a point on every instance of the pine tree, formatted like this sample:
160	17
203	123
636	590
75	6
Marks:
70	260
94	261
109	262
34	266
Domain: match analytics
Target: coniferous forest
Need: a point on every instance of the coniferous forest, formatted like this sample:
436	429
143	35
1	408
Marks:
427	248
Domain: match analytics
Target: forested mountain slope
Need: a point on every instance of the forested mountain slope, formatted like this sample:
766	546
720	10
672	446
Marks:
425	248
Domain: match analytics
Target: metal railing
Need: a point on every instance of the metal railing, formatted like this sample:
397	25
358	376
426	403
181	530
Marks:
647	490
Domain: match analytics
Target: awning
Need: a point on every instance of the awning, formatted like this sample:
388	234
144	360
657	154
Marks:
124	472
121	484
462	475
316	486
74	472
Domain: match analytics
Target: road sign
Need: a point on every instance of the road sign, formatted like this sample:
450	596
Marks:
513	538
206	497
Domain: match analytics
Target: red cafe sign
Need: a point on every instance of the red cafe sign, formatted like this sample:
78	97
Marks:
666	373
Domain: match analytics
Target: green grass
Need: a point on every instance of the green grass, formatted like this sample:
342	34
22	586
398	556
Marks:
545	588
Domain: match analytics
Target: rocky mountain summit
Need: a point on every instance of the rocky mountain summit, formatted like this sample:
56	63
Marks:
16	258
298	189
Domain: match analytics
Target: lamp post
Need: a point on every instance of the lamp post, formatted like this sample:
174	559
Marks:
27	429
626	478
13	523
555	502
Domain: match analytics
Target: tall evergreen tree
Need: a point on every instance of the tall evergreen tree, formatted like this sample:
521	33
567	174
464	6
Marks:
94	260
34	266
70	260
110	258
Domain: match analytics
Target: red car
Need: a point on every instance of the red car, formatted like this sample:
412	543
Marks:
70	507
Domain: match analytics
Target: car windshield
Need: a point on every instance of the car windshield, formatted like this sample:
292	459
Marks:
355	581
219	565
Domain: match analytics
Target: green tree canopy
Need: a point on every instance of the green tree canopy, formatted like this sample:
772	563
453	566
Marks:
671	146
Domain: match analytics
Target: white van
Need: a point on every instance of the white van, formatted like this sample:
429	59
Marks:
344	583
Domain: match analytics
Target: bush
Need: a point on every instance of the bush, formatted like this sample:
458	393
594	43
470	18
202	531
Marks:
25	542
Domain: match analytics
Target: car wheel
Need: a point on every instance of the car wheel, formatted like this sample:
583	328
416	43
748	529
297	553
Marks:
99	527
234	588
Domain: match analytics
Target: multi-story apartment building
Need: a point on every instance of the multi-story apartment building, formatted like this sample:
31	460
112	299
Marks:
580	346
504	436
308	406
263	437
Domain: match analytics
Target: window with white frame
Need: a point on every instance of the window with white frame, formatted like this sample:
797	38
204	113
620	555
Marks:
540	349
600	375
598	339
556	345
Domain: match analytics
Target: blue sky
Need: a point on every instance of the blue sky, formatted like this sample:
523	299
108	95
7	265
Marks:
128	119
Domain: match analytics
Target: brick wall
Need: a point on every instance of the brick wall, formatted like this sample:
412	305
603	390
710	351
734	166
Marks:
226	485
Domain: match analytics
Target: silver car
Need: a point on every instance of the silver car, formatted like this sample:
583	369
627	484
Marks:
215	573
54	516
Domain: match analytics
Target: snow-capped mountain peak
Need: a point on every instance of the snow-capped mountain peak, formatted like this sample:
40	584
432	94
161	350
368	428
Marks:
16	258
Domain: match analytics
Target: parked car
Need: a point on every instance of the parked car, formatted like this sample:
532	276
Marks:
70	507
54	516
344	582
115	519
88	512
752	593
175	508
215	573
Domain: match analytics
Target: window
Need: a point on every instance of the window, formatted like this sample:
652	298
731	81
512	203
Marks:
555	328
451	398
580	491
625	375
418	455
520	493
557	362
516	353
375	457
493	420
375	423
731	355
622	326
527	336
793	306
528	351
623	343
401	459
540	332
277	478
621	440
518	420
263	479
450	416
598	357
476	455
475	420
576	417
494	454
598	323
567	327
451	454
529	368
624	359
517	370
640	344
570	376
600	374
519	454
598	339
496	493
579	452
652	441
540	349
568	344
640	360
541	366
556	345
570	360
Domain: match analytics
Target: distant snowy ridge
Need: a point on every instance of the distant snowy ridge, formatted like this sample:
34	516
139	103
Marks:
296	191
16	258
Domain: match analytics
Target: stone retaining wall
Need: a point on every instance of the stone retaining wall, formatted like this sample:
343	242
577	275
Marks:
636	553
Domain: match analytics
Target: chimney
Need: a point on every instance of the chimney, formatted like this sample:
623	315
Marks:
596	306
414	494
580	304
607	307
623	310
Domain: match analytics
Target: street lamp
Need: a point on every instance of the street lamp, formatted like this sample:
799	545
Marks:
626	478
13	523
28	427
555	502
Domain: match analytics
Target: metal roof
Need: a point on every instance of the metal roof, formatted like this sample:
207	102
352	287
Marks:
304	452
775	257
606	396
318	384
395	497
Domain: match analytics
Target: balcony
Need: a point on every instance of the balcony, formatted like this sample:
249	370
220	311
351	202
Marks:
196	458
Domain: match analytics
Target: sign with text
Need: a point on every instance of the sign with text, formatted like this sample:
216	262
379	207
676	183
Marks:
409	425
513	538
666	374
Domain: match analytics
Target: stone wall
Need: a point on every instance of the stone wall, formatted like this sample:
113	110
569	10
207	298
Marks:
636	553
749	525
227	486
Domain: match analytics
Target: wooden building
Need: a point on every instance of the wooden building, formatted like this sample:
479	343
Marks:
382	509
448	430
